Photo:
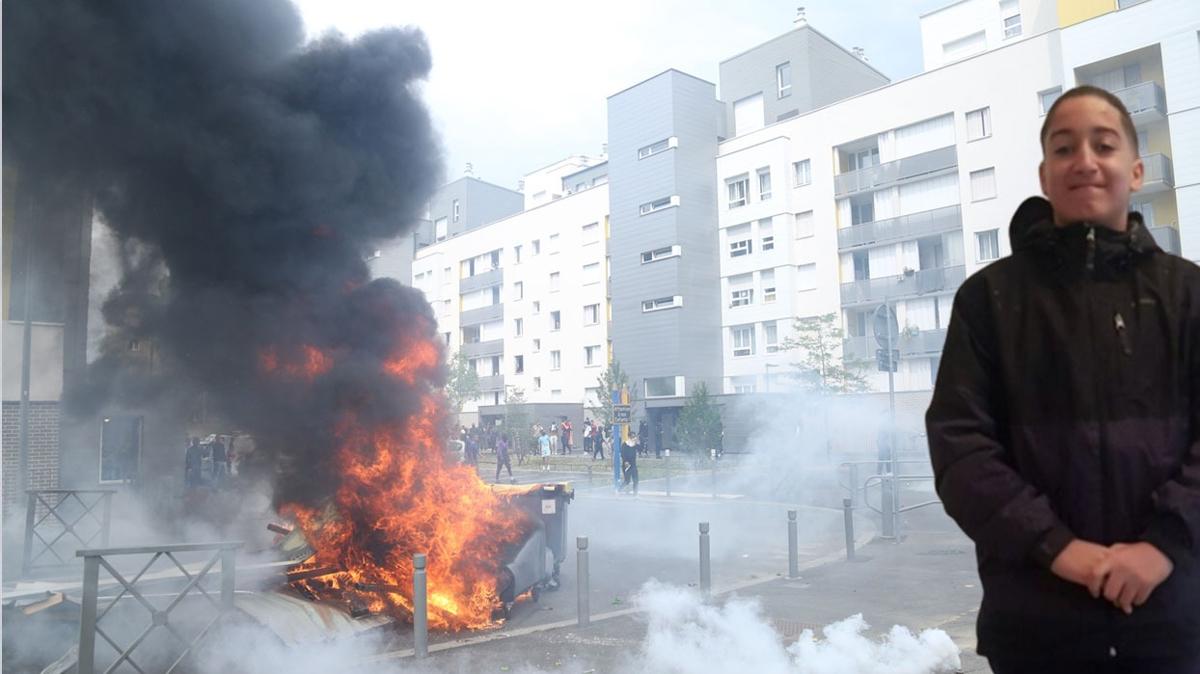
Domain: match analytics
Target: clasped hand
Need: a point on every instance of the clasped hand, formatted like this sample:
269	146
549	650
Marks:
1125	574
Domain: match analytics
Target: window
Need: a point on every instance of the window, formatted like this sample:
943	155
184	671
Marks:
767	278
660	253
591	273
537	246
537	307
743	340
556	360
537	345
1012	26
518	364
979	123
537	383
801	173
555	320
518	290
738	187
517	254
764	184
767	233
768	243
556	393
120	448
771	336
591	233
1046	98
988	244
863	211
591	314
661	303
740	248
446	338
662	387
454	210
806	277
657	205
439	229
591	355
742	297
555	281
983	184
804	225
742	384
553	246
655	148
519	326
783	79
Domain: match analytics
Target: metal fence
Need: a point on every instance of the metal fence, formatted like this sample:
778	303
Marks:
60	521
91	614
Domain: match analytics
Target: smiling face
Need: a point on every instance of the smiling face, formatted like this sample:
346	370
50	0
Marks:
1089	166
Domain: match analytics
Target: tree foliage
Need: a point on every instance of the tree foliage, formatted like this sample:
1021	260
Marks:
818	342
699	425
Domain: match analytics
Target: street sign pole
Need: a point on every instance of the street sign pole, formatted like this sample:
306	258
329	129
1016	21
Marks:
616	443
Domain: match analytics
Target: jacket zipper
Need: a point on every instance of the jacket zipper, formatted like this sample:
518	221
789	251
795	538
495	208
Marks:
1122	333
1091	249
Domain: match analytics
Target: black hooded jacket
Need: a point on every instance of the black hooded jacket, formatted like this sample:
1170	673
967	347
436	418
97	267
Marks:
1067	406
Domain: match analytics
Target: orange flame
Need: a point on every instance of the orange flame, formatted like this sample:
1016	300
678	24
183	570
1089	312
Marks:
308	364
400	495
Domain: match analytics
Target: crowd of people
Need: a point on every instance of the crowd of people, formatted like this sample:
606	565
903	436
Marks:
209	463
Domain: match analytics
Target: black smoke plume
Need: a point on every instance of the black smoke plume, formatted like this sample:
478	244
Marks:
252	172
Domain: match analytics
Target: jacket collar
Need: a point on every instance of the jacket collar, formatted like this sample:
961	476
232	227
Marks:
1079	245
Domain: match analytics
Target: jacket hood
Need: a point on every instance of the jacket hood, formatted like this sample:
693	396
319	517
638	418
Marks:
1032	228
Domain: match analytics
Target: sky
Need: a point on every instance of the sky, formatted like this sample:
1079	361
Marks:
516	86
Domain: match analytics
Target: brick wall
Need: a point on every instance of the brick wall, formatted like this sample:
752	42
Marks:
43	450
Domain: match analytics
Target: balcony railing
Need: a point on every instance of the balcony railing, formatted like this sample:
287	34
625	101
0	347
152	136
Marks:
876	290
471	317
487	279
922	343
1145	101
1159	175
937	221
894	171
492	347
493	383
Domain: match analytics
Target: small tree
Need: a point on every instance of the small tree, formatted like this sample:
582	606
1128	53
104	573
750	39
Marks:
516	421
613	378
699	425
818	340
462	383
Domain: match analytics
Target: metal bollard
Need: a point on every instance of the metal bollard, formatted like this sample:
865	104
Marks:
713	455
888	506
848	513
420	616
793	545
705	564
585	611
668	453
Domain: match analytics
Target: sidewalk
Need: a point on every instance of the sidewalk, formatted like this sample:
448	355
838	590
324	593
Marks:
926	581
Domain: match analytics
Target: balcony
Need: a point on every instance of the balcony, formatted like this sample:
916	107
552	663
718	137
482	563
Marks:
488	314
1146	102
916	166
1159	175
487	279
937	221
492	383
924	282
921	343
492	347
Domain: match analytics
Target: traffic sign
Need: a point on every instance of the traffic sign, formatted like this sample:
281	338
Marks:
884	323
887	364
621	414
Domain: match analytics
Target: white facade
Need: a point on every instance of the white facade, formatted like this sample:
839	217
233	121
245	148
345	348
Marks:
538	278
968	27
959	143
545	184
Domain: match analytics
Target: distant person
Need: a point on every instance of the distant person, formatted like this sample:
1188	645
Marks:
502	456
220	462
472	450
629	454
598	442
1064	428
643	436
565	429
544	447
587	437
193	464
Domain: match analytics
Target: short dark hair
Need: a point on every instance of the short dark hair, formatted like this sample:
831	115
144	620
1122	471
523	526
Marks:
1102	94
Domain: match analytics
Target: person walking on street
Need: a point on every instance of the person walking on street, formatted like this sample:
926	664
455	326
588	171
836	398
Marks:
193	462
220	463
544	447
502	456
1064	429
629	456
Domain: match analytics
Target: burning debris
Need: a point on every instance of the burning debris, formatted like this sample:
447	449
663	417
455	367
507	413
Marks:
254	171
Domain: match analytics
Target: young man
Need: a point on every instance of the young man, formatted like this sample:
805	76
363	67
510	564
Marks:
1065	425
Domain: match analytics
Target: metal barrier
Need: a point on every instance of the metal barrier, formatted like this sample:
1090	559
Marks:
89	624
56	502
852	468
889	500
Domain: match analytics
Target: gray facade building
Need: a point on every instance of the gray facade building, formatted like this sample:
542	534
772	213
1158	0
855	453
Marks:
666	314
798	71
468	203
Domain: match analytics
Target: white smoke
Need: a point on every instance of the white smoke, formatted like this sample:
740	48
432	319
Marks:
688	636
